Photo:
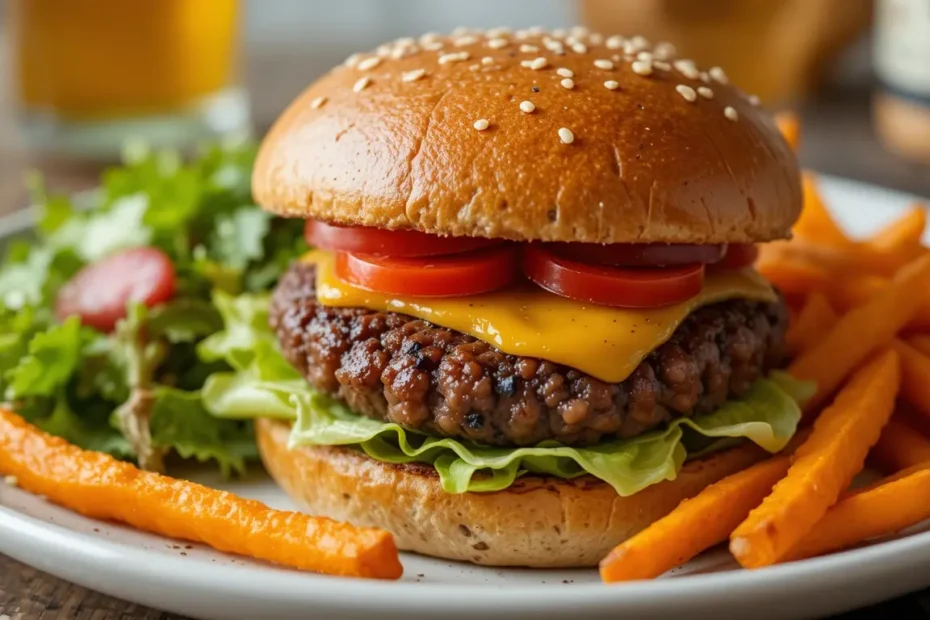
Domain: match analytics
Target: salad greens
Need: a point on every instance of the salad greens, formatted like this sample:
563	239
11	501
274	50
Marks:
136	393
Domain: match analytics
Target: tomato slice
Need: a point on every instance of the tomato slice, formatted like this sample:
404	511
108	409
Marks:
444	276
612	286
364	240
99	292
739	256
639	254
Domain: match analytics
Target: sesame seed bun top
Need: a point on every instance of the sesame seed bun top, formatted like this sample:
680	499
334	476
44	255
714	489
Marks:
531	135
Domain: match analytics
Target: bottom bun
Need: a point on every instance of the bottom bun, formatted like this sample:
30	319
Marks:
539	521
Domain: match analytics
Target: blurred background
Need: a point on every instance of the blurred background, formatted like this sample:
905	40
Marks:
78	78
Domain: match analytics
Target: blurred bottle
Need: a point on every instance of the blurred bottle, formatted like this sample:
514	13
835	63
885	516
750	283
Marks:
776	49
902	62
91	74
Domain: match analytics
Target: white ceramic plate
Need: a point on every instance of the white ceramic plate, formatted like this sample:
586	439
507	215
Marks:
197	581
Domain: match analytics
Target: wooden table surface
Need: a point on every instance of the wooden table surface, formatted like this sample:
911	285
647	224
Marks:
837	140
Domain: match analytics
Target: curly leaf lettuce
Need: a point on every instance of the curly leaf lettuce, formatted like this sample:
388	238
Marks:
268	387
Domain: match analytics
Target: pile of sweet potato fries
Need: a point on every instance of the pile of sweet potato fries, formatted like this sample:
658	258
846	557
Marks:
860	330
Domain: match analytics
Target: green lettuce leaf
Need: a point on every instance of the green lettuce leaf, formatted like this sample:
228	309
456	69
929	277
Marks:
180	422
265	385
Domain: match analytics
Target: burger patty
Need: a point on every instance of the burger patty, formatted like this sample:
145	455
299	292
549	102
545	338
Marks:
427	378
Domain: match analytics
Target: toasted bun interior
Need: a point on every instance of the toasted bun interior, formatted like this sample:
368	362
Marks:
537	522
485	134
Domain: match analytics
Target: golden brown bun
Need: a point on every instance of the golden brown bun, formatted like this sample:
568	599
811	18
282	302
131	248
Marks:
538	521
646	165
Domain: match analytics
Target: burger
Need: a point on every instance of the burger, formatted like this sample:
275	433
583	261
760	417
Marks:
529	325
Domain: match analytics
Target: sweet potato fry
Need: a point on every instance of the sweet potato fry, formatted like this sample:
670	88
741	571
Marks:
915	376
822	467
795	277
921	342
903	236
98	486
862	331
899	447
849	292
790	127
883	509
816	224
815	320
695	525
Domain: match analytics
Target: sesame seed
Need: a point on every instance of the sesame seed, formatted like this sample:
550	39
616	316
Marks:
634	45
487	60
661	64
616	58
400	52
498	43
611	84
705	92
383	50
538	63
642	67
644	56
730	113
352	60
318	102
753	100
687	92
562	71
362	84
405	41
579	48
579	31
474	67
11	480
664	50
498	32
554	46
466	40
460	30
687	69
603	63
567	83
535	30
717	74
528	49
454	57
413	76
596	38
527	107
369	63
481	124
559	33
432	46
566	135
704	77
615	42
429	36
521	34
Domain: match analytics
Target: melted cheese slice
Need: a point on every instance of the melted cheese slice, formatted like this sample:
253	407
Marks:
606	343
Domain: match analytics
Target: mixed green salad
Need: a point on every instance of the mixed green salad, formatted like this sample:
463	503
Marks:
185	374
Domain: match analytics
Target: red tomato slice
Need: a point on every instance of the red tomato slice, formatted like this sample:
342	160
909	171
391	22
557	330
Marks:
364	240
99	292
739	256
639	254
445	276
612	286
